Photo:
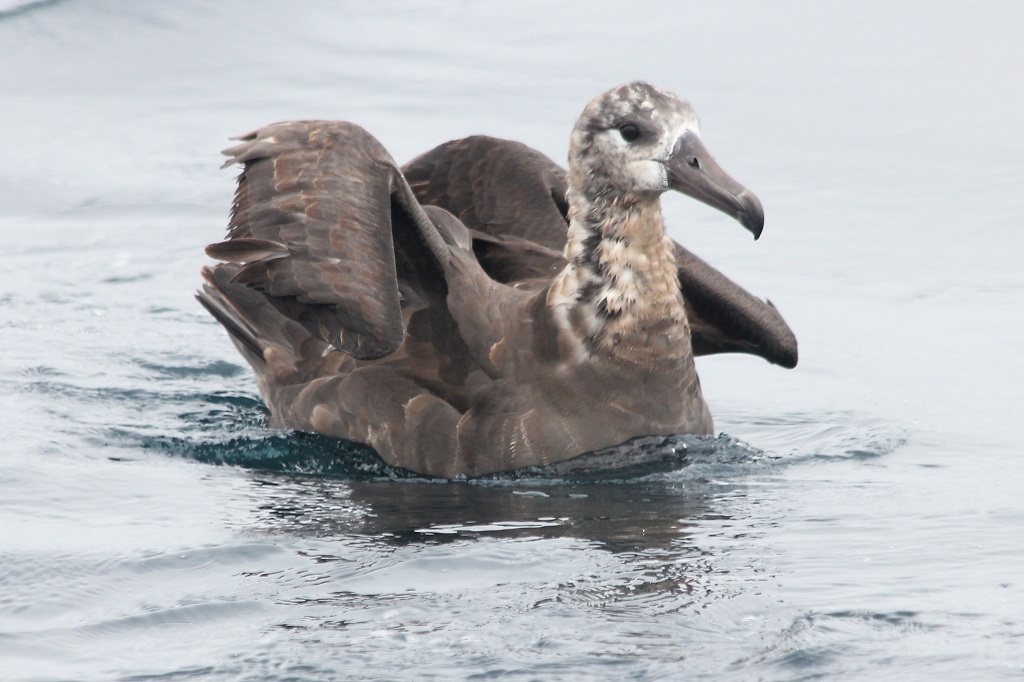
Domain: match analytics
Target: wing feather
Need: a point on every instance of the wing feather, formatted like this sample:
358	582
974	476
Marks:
498	187
311	223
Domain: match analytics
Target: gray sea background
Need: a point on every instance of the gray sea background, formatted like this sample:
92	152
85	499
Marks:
862	518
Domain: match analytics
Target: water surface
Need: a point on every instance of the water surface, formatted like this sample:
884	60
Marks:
861	520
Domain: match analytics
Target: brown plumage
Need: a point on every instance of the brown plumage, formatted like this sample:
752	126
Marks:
480	309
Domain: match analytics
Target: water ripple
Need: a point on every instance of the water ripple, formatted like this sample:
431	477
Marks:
13	8
828	640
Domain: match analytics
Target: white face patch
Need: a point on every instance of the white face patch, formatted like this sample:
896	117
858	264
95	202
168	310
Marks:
649	175
632	165
600	152
674	131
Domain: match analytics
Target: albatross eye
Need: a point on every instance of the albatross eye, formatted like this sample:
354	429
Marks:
630	132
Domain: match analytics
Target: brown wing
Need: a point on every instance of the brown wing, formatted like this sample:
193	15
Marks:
499	187
314	220
726	318
513	197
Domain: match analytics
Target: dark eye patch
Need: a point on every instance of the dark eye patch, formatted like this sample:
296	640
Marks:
630	132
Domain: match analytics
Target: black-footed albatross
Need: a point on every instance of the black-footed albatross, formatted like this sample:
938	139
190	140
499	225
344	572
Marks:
481	310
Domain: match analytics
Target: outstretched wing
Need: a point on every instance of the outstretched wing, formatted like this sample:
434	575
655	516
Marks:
726	318
314	219
513	198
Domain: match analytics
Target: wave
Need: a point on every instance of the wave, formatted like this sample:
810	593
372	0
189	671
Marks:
263	449
11	8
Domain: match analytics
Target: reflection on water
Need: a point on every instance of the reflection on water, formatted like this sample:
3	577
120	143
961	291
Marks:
403	555
626	516
429	537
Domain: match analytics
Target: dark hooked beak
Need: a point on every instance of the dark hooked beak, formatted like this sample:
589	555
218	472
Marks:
693	171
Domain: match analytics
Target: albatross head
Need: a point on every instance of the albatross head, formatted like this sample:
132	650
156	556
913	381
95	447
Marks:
636	139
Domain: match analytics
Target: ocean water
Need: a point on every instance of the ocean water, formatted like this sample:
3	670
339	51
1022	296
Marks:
861	517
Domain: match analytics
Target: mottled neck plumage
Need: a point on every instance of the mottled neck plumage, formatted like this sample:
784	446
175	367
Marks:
619	292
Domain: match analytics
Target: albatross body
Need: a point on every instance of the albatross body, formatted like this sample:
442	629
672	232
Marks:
480	310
